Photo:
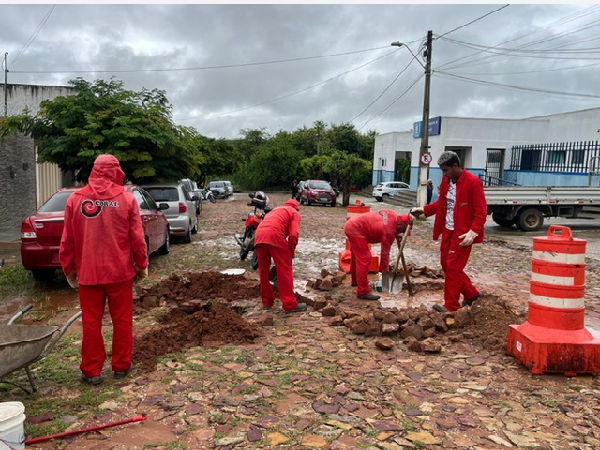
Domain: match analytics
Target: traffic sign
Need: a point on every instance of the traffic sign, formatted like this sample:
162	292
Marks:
426	158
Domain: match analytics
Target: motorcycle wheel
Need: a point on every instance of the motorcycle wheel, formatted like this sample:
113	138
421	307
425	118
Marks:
255	260
243	254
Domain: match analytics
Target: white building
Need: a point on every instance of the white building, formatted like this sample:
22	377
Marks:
555	150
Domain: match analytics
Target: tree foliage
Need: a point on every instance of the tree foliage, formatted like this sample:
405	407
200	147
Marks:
103	117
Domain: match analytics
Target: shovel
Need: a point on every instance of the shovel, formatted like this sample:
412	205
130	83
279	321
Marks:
393	281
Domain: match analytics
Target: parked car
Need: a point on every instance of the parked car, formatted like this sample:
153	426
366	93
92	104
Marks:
181	210
191	188
318	191
219	189
389	188
42	231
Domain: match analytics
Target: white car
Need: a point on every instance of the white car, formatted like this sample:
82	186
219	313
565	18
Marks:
389	188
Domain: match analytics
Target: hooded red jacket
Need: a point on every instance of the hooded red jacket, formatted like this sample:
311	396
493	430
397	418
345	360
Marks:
377	227
280	227
103	235
470	208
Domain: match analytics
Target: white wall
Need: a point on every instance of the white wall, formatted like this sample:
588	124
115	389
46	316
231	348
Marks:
482	134
21	96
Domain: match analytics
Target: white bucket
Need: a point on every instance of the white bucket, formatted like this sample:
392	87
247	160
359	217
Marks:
12	434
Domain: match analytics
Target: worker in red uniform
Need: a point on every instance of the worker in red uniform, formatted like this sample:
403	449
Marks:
374	227
460	215
277	237
102	251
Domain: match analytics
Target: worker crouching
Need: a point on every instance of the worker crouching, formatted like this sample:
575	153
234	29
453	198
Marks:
375	227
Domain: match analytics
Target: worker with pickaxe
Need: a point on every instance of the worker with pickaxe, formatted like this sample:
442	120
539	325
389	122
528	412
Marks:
374	227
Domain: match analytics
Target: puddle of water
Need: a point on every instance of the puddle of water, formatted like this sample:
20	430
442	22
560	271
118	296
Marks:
49	305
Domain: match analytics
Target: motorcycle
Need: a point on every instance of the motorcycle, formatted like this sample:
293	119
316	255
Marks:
260	202
207	195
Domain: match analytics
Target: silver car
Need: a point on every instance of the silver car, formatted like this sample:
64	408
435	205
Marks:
181	212
388	189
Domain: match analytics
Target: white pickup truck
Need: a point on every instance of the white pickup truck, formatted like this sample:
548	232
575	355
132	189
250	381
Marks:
526	206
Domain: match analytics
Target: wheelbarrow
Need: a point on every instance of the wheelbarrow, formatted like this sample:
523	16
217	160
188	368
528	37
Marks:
23	345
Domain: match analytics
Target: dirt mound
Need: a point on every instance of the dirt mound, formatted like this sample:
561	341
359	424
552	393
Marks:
198	311
490	318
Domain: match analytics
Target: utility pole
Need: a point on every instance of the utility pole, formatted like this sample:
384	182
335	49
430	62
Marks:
423	168
6	85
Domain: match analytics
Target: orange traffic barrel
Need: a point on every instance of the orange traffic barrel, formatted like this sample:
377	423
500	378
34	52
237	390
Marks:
554	338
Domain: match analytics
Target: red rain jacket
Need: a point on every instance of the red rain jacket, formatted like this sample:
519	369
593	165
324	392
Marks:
377	227
280	227
103	235
470	209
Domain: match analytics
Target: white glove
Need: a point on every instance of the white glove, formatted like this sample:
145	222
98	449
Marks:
417	211
467	238
140	274
72	279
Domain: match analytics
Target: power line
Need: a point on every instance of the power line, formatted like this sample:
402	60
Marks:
34	35
520	88
294	93
386	88
225	66
473	21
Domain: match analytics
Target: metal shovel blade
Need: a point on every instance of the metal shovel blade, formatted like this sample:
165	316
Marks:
392	282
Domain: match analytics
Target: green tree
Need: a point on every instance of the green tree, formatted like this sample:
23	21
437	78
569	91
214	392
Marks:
344	169
103	117
273	166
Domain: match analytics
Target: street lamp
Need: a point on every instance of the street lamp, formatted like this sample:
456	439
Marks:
422	186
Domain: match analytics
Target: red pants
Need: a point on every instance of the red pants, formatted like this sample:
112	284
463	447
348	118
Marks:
359	264
282	257
454	259
120	305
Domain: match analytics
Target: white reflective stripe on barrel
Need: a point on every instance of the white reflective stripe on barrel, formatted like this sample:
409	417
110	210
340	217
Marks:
552	302
563	258
553	279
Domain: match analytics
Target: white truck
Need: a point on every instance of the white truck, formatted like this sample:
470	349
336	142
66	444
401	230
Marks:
526	206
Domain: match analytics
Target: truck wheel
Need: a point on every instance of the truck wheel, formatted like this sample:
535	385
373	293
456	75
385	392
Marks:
502	221
530	219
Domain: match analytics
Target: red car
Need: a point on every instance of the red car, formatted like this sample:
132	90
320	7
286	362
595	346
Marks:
318	191
41	232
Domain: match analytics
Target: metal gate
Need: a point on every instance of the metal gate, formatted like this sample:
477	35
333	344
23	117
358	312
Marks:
594	173
494	166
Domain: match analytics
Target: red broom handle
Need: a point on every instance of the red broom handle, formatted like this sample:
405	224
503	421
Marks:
84	430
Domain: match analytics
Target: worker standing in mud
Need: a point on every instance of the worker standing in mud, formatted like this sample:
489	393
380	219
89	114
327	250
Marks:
382	226
460	215
102	251
276	238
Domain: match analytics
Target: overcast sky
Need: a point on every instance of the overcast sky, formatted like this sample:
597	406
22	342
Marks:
282	67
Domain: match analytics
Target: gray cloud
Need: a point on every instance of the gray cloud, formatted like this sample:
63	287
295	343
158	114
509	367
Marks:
128	39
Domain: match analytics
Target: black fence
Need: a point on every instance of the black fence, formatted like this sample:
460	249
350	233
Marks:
574	157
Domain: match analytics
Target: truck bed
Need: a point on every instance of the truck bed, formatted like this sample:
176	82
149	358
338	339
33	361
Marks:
542	195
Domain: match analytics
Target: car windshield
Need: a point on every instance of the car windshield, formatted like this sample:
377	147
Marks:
319	185
160	194
58	202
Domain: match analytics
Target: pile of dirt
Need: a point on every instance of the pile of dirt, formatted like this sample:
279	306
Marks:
490	318
197	311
